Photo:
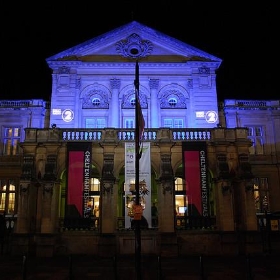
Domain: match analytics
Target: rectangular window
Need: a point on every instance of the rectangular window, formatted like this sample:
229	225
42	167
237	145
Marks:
255	134
11	140
179	184
7	197
129	123
96	123
167	123
173	123
261	195
178	123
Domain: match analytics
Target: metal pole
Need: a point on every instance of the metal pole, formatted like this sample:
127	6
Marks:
137	159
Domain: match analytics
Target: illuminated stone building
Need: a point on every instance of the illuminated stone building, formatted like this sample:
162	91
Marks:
68	166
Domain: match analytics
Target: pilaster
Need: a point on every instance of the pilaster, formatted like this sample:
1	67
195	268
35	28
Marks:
154	83
114	119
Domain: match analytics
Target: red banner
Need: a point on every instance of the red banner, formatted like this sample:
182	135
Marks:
75	180
78	179
195	175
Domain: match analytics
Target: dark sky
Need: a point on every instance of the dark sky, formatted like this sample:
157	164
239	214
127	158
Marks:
243	36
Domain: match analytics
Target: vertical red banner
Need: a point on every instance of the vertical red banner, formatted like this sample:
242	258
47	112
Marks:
192	173
75	181
195	175
78	179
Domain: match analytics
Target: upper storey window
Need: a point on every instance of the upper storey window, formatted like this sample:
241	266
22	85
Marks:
256	136
172	102
133	101
173	123
11	140
95	101
95	122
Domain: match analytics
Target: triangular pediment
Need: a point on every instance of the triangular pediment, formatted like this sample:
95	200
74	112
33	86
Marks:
133	41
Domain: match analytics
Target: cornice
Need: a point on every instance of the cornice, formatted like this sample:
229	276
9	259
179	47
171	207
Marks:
76	64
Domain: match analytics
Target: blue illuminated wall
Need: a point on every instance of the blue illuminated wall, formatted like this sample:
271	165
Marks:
93	83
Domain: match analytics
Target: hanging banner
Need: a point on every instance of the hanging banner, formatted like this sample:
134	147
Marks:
78	179
195	175
144	183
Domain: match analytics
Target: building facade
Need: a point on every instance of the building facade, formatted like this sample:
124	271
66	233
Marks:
68	166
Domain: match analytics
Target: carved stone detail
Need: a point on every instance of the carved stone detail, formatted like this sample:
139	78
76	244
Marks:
167	187
23	187
115	83
154	83
133	46
107	187
48	188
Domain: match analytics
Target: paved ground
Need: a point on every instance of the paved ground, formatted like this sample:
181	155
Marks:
152	267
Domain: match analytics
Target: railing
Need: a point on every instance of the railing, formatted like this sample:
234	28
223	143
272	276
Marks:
24	103
250	104
77	224
195	223
116	134
182	223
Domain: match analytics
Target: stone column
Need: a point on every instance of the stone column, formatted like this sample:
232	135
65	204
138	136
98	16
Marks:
155	118
250	209
22	219
46	223
224	200
168	237
108	215
166	192
108	201
114	117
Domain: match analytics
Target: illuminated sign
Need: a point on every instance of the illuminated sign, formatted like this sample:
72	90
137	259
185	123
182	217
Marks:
56	111
67	115
199	114
211	116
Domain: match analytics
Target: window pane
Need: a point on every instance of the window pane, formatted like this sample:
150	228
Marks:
16	132
15	146
179	184
2	202
8	132
90	123
100	123
250	131
167	123
7	147
11	203
95	123
94	185
178	123
129	123
259	146
258	131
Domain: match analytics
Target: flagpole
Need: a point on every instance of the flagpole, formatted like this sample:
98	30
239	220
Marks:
137	159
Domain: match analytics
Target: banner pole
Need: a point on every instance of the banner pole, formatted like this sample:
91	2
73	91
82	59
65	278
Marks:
137	159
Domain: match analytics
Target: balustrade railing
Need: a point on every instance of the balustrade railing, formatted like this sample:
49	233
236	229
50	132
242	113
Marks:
116	134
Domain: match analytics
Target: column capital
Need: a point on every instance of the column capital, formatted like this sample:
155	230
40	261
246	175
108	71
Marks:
154	83
115	83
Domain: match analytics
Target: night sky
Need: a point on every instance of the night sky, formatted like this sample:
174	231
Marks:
244	37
